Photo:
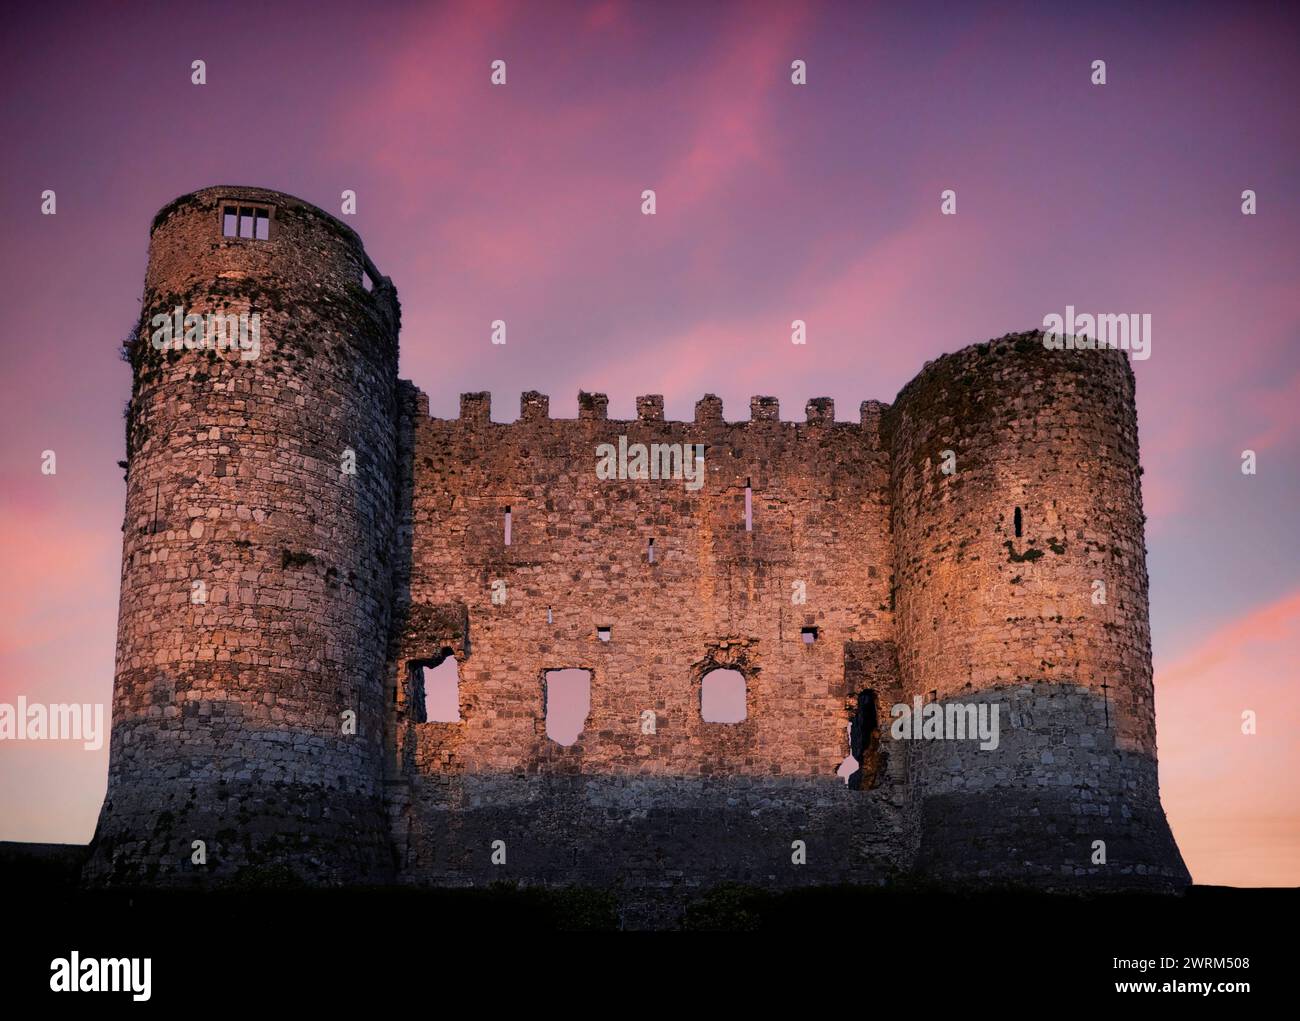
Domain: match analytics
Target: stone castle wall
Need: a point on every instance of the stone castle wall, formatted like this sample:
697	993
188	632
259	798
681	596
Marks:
328	591
716	595
1054	434
1049	624
226	712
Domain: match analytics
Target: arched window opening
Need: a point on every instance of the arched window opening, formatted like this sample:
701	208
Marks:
722	696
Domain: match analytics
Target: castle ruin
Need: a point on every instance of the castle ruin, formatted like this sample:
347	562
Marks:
945	548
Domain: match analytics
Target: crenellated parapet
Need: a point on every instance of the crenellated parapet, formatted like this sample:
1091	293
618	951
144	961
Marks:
594	407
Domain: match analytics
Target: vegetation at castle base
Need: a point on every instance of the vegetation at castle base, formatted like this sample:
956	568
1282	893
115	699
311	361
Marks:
265	877
736	907
499	905
565	909
269	901
731	907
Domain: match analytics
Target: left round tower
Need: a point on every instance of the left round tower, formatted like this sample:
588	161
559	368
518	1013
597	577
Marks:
248	701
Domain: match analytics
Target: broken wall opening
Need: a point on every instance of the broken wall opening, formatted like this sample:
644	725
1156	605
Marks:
566	696
864	744
871	686
434	688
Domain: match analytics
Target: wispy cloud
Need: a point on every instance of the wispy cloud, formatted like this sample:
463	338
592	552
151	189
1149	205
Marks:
1231	797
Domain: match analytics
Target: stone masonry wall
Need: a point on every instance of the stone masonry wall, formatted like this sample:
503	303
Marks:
1054	434
1032	811
984	613
227	711
325	591
716	595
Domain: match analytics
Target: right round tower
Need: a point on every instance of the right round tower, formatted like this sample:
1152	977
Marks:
248	702
1021	585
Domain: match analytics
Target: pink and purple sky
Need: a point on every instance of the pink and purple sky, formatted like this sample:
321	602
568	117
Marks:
775	203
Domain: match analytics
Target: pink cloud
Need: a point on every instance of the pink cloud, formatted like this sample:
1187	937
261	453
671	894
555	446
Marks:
1279	407
1230	796
60	582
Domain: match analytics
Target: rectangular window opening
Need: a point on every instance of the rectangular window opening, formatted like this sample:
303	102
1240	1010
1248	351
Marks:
250	222
810	635
650	551
507	526
749	506
603	632
435	689
567	695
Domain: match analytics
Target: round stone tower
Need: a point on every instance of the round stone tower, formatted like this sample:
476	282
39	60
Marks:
248	703
1021	586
